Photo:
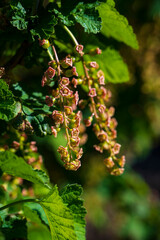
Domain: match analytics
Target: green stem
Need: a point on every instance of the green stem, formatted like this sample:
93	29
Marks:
17	202
71	35
50	55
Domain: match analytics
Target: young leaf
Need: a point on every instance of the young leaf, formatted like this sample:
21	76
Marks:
115	25
12	164
87	16
59	217
71	196
18	18
8	107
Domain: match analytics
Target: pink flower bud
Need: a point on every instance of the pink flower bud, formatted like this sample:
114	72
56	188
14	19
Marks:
44	81
75	82
76	97
54	131
16	145
98	51
74	72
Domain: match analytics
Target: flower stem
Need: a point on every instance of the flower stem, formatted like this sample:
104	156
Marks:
17	202
71	35
50	54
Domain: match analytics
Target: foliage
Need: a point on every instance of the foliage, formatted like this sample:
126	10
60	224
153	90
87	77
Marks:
32	33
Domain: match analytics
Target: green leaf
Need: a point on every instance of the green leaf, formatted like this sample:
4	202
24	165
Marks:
40	232
71	196
59	217
63	19
87	16
115	25
16	166
113	66
35	213
8	107
18	18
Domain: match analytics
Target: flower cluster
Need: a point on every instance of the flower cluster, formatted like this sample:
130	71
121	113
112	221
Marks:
104	123
66	98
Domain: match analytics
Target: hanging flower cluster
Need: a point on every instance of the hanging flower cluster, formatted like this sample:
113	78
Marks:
65	96
104	125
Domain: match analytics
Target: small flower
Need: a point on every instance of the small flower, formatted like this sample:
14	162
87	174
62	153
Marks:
116	148
100	73
78	118
55	93
66	62
68	110
57	117
76	97
93	65
16	145
79	154
65	81
122	161
101	108
50	72
102	136
111	111
79	49
54	131
92	92
98	148
63	151
49	101
75	132
109	162
66	92
98	51
88	121
74	72
75	142
117	171
75	82
101	80
44	81
74	165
